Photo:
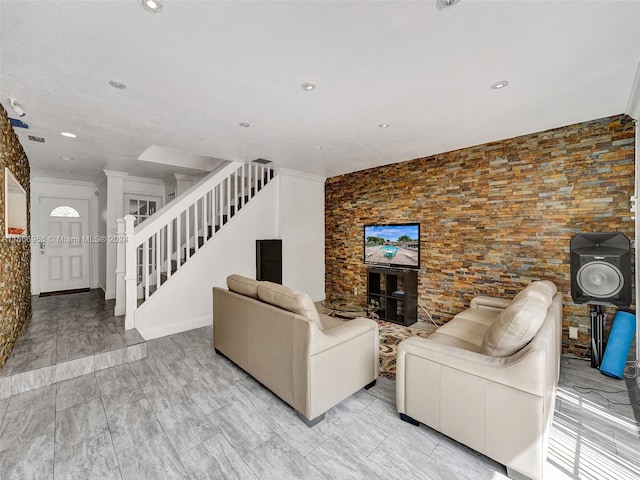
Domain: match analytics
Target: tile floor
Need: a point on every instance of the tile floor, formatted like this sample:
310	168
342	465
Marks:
184	412
68	336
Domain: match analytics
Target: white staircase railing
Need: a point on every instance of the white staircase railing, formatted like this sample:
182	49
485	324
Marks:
149	254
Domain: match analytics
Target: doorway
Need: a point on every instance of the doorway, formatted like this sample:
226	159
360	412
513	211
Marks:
63	244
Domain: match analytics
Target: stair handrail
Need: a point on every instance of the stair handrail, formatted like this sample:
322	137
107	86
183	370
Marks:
168	213
135	236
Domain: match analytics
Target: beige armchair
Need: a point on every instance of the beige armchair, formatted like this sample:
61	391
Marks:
488	377
310	361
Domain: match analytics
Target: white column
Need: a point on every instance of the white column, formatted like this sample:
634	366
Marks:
119	308
115	210
130	276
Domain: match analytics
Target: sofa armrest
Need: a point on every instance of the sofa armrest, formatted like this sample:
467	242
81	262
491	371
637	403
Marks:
489	303
340	334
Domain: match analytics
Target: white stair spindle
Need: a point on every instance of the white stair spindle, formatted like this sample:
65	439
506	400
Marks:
178	240
157	252
196	240
220	205
228	188
169	241
187	234
145	268
205	227
242	186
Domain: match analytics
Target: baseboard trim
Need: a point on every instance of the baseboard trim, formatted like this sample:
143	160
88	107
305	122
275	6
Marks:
152	332
65	292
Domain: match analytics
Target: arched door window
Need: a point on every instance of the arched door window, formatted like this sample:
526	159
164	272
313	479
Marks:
64	211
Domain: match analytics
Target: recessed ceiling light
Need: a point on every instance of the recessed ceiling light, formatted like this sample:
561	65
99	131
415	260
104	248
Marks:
308	86
118	85
68	172
318	147
68	159
153	6
384	125
68	134
244	124
500	84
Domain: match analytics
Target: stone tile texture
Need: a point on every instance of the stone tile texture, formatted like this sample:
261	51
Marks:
493	217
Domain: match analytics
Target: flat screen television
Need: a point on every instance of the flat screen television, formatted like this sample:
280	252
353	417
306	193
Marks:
395	245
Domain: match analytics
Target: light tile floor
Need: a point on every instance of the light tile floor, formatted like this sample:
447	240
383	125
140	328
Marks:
184	412
68	336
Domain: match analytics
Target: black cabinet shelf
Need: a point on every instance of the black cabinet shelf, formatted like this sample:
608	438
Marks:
382	283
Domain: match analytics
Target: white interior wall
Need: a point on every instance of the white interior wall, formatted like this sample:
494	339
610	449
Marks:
301	226
52	187
185	301
184	183
144	186
170	186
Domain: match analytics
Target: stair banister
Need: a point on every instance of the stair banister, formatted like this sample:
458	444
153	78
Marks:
193	217
130	275
119	308
167	213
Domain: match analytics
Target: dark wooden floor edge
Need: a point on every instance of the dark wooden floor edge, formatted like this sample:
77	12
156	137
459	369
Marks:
634	398
64	292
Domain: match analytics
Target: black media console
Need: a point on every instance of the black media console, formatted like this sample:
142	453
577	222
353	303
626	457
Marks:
395	292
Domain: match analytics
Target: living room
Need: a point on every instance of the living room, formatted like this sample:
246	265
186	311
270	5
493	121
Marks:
499	179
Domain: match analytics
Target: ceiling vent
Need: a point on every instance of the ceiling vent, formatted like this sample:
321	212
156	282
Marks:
33	138
442	4
262	161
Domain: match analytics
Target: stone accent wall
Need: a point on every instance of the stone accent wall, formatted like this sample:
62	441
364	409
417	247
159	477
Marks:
15	255
493	217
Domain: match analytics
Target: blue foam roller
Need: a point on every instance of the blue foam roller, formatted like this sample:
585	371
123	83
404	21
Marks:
615	355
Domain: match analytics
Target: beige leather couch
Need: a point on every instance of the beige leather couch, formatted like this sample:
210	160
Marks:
309	360
488	377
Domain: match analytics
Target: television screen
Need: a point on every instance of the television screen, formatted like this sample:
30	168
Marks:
392	245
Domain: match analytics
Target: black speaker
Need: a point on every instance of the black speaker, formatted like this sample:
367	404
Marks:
269	260
601	269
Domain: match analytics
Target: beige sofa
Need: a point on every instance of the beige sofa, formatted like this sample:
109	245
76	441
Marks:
309	360
488	377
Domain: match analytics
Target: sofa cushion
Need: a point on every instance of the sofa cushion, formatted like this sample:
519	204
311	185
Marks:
285	298
465	330
514	327
482	316
243	285
543	289
449	341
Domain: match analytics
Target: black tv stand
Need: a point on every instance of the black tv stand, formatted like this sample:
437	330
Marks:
395	292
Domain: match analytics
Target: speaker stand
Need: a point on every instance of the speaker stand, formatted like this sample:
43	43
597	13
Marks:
597	334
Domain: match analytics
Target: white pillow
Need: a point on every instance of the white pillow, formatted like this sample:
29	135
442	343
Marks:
514	327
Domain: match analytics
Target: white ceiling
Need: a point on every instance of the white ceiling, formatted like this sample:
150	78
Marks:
198	68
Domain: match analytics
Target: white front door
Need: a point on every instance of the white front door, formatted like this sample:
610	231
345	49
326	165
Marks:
64	244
